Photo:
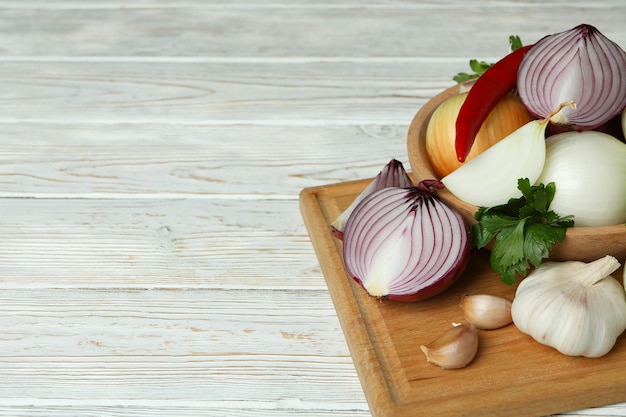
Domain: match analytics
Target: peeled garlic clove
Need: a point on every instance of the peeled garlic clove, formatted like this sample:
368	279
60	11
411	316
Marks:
486	311
454	349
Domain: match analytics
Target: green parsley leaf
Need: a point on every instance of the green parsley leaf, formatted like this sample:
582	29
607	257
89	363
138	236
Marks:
461	77
523	230
479	67
515	42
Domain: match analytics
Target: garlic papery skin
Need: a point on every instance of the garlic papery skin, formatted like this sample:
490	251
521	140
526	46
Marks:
485	311
575	307
454	349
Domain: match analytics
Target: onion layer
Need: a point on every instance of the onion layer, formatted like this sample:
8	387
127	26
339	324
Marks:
490	179
404	244
579	65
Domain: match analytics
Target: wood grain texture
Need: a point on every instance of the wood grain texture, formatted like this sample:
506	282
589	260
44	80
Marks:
151	243
189	161
329	30
309	93
153	260
144	347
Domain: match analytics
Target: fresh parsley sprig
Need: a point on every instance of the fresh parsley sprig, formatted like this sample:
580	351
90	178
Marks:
524	230
479	67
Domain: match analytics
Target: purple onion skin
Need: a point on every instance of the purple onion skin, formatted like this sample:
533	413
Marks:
454	271
580	50
392	175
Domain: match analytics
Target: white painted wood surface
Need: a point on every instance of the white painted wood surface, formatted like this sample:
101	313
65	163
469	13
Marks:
153	260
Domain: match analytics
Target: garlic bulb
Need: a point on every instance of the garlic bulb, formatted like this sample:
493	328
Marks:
575	307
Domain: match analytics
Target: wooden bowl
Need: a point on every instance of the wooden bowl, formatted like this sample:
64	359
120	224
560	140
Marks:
581	243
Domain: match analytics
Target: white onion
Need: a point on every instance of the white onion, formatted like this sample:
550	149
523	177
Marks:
404	244
589	171
580	65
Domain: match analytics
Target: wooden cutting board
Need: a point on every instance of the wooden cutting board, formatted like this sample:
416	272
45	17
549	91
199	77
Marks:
512	375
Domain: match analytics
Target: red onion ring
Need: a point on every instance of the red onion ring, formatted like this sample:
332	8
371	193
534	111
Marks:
405	244
581	65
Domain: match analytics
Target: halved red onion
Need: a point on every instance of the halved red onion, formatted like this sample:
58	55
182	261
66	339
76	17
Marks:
392	175
405	244
581	65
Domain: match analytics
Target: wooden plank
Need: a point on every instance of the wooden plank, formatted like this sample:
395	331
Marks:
349	30
179	410
308	93
145	325
224	161
257	4
96	348
504	378
152	243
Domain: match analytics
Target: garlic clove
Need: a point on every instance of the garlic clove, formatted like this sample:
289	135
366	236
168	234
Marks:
454	349
486	311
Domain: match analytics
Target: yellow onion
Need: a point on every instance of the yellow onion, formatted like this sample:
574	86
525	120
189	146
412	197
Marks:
506	117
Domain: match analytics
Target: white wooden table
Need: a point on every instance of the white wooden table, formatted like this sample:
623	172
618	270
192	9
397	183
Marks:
153	259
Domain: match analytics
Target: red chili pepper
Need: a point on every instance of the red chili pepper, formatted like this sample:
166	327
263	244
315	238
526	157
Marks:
484	95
